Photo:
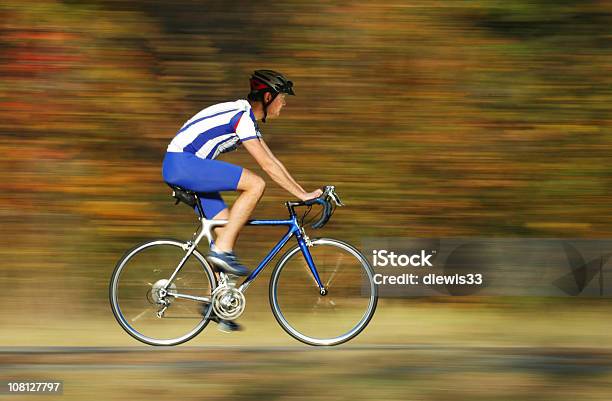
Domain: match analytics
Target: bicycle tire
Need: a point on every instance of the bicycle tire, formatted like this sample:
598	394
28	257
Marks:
359	288
120	296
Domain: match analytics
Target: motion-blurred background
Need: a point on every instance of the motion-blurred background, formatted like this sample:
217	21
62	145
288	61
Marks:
432	118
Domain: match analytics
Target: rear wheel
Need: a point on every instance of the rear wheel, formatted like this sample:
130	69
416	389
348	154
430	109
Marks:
330	319
148	312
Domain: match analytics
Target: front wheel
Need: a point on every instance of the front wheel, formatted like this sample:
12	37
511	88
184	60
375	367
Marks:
329	319
147	307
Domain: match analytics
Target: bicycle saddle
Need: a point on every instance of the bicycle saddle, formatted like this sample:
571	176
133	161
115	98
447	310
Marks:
184	195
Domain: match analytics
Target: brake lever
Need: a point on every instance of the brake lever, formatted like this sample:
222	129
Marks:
334	196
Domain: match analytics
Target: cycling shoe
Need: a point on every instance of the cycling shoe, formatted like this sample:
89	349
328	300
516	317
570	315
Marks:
227	263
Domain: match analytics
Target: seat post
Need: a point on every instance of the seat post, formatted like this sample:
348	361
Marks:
206	229
199	206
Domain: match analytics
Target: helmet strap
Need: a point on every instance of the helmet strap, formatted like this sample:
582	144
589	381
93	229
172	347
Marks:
266	104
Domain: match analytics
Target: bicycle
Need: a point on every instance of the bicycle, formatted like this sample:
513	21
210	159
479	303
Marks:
163	291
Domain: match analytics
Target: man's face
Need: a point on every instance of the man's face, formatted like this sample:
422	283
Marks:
276	106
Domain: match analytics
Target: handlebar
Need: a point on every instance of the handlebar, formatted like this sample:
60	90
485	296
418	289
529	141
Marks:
329	199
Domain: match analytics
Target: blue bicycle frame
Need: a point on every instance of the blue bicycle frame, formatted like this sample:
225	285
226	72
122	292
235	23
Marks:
294	230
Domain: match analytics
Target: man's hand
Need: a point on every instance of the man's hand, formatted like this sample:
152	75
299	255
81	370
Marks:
312	195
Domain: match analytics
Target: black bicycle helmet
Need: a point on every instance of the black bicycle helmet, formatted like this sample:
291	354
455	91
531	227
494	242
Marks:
263	81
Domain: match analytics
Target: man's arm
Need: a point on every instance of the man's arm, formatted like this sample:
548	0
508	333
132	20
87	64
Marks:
281	165
274	168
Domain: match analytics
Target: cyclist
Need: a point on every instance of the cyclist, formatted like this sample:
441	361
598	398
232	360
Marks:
190	162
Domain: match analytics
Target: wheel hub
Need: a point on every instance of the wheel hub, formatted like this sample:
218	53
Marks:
159	295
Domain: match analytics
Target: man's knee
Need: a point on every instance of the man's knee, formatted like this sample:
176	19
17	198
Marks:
251	182
259	185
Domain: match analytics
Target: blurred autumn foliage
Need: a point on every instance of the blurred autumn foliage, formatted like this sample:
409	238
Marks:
433	118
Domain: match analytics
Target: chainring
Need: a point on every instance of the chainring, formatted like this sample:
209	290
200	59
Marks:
228	302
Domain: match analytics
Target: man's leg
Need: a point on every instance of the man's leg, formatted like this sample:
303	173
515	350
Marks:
222	215
251	188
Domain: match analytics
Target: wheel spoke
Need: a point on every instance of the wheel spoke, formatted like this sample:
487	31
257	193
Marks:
331	278
141	314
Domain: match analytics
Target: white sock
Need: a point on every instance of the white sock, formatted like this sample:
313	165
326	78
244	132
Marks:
214	248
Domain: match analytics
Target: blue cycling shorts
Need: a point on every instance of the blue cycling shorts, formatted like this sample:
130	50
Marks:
204	176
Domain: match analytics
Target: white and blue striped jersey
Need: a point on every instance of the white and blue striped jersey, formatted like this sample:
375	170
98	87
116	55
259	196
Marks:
217	129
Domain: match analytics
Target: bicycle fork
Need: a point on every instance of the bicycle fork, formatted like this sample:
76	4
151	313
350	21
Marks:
304	243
